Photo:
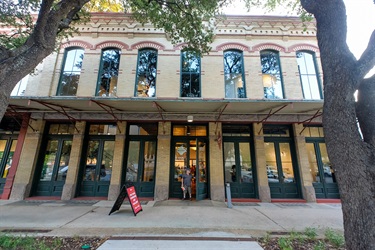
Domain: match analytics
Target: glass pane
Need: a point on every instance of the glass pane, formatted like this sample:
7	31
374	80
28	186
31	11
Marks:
149	161
92	159
329	172
246	166
109	72
308	75
190	75
3	144
286	162
276	131
71	73
146	73
180	160
102	129
229	162
313	162
107	161
49	160
202	171
271	164
271	75
58	129
236	130
233	74
8	163
133	162
180	130
64	161
143	129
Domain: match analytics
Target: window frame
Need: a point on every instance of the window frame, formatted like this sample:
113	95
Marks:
67	50
318	81
277	53
199	73
242	75
137	73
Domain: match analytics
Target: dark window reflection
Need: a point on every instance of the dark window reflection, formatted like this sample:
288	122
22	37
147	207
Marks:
234	74
108	76
146	73
308	75
71	72
271	74
190	75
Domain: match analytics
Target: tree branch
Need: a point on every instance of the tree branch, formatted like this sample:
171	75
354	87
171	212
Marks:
367	60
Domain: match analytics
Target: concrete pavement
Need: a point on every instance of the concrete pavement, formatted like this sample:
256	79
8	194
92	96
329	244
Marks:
211	221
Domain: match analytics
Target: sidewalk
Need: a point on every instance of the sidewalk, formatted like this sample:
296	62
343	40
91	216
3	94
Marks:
173	218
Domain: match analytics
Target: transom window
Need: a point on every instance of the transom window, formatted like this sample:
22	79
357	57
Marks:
234	74
146	73
71	72
271	74
190	75
108	75
308	75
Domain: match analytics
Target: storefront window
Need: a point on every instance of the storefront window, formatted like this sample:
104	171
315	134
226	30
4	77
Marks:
61	129
143	129
189	130
103	129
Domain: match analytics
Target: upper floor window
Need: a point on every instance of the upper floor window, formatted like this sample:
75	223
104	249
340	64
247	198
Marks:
271	74
146	73
71	72
234	74
190	75
108	75
308	75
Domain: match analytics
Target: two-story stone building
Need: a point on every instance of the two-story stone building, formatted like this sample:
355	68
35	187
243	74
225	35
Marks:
119	103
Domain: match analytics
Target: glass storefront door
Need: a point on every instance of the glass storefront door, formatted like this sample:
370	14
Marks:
238	170
53	166
281	168
97	171
188	153
140	167
7	147
323	175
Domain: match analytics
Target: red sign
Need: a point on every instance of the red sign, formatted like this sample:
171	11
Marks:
133	199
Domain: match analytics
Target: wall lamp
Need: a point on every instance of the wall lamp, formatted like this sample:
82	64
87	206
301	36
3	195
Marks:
190	118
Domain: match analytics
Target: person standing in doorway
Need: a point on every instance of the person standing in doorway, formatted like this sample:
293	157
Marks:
186	183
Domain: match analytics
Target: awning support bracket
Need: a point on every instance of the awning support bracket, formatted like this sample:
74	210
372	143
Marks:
270	113
15	111
109	110
62	111
308	121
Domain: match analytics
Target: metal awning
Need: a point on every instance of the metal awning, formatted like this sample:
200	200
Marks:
165	105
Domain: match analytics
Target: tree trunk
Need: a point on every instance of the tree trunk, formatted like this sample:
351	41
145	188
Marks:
352	158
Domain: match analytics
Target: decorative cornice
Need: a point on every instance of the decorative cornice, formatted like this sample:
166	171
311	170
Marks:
115	44
273	46
227	46
148	44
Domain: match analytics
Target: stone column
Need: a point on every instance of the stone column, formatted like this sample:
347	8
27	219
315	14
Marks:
260	159
26	167
71	181
308	190
163	162
216	165
118	159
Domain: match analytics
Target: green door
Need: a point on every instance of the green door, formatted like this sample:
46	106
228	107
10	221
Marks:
140	166
238	168
282	172
323	175
97	168
7	147
189	153
52	166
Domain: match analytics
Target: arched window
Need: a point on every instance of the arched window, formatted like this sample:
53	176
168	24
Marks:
146	73
71	71
190	75
308	75
234	74
108	74
271	74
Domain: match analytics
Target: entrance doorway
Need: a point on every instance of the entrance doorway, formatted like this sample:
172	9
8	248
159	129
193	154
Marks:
190	152
8	145
141	158
96	167
323	175
281	164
